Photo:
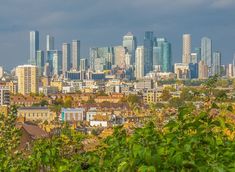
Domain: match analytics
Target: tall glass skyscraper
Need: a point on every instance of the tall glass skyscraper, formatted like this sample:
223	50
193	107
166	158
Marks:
148	52
34	46
40	62
76	54
206	51
66	58
50	43
139	71
130	43
57	62
166	60
216	63
101	58
198	52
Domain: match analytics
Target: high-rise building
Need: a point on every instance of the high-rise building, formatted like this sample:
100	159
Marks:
193	58
148	52
40	62
76	54
198	52
130	43
139	53
57	62
49	60
166	58
120	56
216	63
50	43
1	71
186	48
229	71
66	58
27	79
202	70
234	65
46	71
83	64
206	51
101	58
158	52
34	46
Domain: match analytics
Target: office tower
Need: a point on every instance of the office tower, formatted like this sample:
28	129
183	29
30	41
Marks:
120	56
234	65
193	58
27	79
166	59
1	71
34	46
4	95
193	67
101	58
148	52
229	71
206	51
49	60
186	48
83	64
216	63
198	52
57	62
46	71
66	58
157	58
40	62
202	70
50	43
76	54
130	43
139	73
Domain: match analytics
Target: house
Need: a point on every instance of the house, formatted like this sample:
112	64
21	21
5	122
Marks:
30	133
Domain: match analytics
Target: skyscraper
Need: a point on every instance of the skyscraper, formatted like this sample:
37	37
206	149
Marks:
139	53
57	62
216	63
34	46
50	43
148	52
40	62
130	42
120	56
83	64
27	79
166	59
206	51
101	58
198	52
75	54
186	48
202	70
66	58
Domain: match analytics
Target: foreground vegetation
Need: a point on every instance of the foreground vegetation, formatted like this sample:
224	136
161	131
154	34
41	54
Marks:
195	141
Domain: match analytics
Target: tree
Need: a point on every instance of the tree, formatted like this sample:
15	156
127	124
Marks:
165	95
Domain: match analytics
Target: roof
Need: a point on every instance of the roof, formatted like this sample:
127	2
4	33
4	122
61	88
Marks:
34	131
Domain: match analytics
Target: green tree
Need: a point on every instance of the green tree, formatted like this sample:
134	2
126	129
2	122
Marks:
165	95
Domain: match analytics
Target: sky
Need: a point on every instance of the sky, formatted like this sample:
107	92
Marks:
98	23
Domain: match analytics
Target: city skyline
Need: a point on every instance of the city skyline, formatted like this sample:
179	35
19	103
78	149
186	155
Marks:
91	22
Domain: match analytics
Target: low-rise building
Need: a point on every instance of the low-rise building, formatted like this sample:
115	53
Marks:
72	114
33	114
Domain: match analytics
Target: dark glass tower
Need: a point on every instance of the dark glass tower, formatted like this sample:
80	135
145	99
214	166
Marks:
148	51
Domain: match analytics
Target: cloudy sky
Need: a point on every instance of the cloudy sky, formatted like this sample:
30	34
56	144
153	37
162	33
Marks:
104	22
